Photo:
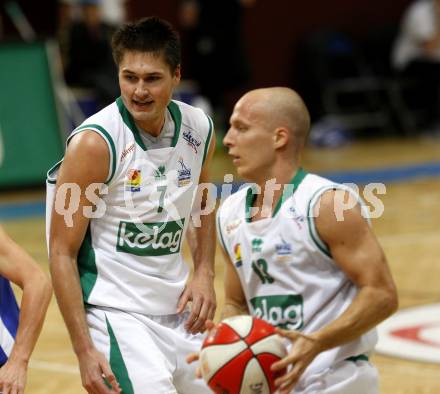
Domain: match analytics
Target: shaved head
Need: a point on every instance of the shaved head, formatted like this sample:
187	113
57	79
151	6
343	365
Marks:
280	107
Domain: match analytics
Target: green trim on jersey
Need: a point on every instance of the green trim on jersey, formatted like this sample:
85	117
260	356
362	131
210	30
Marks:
288	192
290	188
117	363
106	135
310	216
208	140
49	177
219	230
249	202
88	273
177	118
311	220
360	357
129	121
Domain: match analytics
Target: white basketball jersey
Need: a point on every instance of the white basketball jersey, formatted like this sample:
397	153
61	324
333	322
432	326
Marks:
130	258
287	273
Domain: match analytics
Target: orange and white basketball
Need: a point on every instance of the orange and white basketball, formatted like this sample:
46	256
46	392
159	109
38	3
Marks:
237	354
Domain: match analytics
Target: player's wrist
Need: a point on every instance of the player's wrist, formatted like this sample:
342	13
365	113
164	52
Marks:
205	270
19	357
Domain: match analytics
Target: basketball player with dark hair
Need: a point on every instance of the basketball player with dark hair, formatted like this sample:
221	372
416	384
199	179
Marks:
119	277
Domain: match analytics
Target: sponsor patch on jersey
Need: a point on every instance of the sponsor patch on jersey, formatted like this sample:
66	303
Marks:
283	249
192	141
297	217
183	174
412	333
237	252
284	311
128	149
159	174
150	239
133	180
230	227
257	245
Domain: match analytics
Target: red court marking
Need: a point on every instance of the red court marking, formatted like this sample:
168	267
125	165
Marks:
413	334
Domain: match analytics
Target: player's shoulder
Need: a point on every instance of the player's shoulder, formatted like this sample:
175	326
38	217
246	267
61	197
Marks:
312	184
234	205
104	118
104	122
191	117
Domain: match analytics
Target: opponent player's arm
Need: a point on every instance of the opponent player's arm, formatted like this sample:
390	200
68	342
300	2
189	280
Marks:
86	162
201	241
357	252
235	300
18	267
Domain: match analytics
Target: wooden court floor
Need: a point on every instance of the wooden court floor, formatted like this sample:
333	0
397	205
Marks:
408	230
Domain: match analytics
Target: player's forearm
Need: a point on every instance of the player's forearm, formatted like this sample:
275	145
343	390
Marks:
37	292
201	241
370	307
69	296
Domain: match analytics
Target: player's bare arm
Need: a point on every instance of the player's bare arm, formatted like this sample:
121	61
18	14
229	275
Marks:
86	162
18	267
357	252
235	300
201	240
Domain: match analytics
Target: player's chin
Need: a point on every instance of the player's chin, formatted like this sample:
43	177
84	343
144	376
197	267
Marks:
245	173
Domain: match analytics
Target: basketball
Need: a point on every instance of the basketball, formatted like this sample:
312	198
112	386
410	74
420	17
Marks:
237	354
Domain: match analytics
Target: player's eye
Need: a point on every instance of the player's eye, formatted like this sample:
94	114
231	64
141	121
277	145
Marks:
130	78
152	78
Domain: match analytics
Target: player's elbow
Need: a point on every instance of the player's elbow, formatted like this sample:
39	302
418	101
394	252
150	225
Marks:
390	301
43	286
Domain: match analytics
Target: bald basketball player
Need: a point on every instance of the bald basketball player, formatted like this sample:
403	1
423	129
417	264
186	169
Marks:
300	253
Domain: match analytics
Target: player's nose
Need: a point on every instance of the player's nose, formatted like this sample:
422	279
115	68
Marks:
228	138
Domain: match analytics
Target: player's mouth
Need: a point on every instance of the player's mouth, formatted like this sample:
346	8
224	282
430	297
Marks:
235	159
142	104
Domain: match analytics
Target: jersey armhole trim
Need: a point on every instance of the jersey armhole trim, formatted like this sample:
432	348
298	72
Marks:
108	139
322	246
219	230
50	177
208	139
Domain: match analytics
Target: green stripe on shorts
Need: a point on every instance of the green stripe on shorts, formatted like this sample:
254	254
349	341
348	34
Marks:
117	363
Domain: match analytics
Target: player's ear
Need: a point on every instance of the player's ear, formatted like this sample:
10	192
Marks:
177	74
280	137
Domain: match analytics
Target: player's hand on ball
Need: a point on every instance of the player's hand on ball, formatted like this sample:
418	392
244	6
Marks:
304	349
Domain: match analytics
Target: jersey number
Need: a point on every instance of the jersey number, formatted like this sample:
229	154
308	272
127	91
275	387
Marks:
162	190
260	268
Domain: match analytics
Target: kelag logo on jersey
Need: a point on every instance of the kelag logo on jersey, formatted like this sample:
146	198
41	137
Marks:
150	239
284	311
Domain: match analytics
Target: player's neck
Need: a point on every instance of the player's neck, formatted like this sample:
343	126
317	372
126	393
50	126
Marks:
271	190
153	127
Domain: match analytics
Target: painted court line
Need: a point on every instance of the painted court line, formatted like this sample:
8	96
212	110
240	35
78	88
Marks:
54	367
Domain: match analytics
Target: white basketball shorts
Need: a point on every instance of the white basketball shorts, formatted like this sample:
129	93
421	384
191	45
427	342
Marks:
147	353
344	377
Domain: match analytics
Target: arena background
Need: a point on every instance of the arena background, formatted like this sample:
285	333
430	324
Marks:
401	155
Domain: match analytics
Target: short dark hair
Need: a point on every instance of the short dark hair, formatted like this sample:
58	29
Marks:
150	34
